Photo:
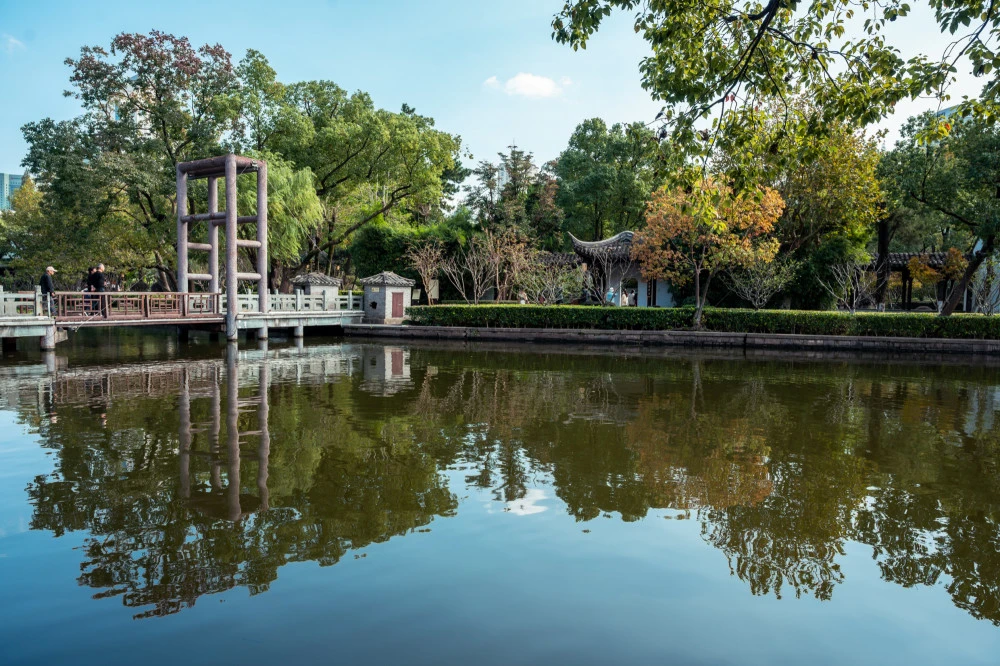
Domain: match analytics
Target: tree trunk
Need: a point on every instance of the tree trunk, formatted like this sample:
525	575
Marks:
168	279
882	268
699	305
963	284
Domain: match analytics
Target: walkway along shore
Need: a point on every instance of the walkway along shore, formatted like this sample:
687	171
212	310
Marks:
709	339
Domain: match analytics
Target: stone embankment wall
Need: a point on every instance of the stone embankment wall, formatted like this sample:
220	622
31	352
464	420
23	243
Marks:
825	343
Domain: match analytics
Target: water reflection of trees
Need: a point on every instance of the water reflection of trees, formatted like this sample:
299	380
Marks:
159	506
782	465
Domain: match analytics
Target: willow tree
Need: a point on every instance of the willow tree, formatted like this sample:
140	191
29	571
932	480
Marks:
367	162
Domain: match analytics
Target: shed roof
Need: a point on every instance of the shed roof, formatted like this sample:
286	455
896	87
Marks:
616	248
388	279
315	280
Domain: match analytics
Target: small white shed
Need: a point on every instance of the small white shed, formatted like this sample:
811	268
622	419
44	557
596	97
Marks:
386	298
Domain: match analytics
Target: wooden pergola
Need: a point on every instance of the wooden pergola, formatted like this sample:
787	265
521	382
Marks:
229	167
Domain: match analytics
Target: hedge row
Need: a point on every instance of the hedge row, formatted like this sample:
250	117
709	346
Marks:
910	325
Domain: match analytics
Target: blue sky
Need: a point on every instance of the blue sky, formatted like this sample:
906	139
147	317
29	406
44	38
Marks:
488	71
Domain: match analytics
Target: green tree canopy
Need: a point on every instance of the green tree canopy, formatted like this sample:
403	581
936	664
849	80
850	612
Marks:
714	63
606	175
956	177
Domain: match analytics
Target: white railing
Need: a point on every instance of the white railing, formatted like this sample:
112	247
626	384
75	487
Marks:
128	305
297	302
21	304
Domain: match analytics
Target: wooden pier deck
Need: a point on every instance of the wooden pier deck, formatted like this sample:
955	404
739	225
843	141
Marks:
27	314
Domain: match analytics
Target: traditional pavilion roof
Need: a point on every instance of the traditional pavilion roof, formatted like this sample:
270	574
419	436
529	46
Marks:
315	280
559	259
389	279
900	260
616	248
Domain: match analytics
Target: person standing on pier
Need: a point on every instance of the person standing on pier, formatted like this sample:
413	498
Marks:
98	285
48	288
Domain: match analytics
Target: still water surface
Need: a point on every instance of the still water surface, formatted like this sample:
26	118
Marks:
370	503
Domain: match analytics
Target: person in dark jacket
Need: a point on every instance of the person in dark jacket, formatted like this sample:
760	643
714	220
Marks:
48	288
99	287
91	301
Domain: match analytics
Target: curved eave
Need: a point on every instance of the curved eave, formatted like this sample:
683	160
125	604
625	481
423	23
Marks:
618	246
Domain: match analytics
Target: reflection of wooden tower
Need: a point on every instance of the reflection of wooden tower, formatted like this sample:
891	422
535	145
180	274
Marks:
229	167
218	502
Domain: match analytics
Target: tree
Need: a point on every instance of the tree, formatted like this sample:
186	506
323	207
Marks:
546	281
426	260
293	210
984	288
499	197
760	280
470	270
693	235
545	216
828	180
606	175
956	176
362	154
720	59
850	284
508	256
149	102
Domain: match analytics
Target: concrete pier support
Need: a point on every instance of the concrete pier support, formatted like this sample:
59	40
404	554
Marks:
48	341
299	331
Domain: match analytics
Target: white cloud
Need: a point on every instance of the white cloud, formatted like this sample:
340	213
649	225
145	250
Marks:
529	85
527	505
10	43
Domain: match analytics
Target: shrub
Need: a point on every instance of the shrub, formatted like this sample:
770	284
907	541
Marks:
879	324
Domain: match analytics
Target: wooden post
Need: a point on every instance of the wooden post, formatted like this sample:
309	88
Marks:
184	435
213	435
232	286
262	261
182	232
213	235
264	448
38	301
232	395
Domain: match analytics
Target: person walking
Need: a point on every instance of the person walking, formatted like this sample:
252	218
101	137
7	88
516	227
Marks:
48	288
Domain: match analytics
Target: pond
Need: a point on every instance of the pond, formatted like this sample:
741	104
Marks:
356	502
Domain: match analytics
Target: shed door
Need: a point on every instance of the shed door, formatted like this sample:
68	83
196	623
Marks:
397	304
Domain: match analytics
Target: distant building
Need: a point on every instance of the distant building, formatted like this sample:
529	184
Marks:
8	185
